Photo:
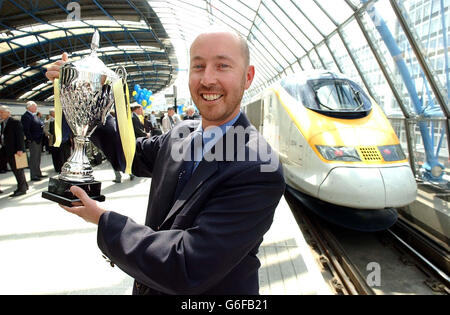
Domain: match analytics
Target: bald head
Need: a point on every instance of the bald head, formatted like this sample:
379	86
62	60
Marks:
242	41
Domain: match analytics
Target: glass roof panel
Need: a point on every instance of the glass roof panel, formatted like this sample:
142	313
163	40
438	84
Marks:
315	14
340	15
326	57
295	13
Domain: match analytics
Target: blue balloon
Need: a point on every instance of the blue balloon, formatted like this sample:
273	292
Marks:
137	87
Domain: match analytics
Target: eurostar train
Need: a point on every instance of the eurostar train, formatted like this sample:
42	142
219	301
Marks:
341	157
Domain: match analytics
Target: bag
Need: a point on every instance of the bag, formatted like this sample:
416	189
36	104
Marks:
21	161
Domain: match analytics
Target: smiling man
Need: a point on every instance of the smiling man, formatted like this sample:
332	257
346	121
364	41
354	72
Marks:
205	218
219	75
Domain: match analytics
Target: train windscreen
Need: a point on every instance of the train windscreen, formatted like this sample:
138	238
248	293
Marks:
333	97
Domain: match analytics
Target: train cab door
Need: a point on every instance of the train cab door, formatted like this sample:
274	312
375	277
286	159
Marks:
268	124
296	146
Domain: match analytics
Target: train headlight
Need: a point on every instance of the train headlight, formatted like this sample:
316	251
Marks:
347	154
392	153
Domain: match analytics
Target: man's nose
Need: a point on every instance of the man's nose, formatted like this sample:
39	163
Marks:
209	77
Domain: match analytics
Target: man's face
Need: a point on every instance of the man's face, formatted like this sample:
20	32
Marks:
170	112
218	76
4	114
33	108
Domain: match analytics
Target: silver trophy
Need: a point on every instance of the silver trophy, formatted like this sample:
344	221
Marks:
86	95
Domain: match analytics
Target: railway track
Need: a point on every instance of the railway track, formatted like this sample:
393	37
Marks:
397	261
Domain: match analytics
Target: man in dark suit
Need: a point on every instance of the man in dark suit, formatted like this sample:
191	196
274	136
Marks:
137	125
33	128
191	114
208	208
12	141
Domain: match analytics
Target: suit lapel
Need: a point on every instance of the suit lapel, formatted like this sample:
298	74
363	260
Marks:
203	172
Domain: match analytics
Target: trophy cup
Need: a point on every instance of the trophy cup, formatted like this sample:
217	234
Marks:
86	97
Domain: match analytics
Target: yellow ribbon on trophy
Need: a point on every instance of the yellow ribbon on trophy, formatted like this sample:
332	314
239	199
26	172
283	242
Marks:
58	115
124	122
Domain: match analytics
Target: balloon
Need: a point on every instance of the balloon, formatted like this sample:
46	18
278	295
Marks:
152	98
137	87
151	93
144	103
134	93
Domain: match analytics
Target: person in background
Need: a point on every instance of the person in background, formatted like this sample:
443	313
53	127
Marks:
33	128
170	120
13	140
153	120
3	161
155	126
191	114
138	127
45	138
62	153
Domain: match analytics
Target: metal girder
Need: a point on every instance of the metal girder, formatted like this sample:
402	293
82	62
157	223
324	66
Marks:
132	34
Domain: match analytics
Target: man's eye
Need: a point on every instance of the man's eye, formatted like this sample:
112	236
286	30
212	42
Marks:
197	67
223	66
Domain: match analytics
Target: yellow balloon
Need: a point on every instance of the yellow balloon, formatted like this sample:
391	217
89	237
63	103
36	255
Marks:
134	93
144	102
152	98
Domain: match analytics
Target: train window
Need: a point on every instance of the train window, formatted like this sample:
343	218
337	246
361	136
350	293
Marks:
339	95
331	96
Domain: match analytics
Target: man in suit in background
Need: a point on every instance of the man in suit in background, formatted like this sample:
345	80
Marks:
191	114
206	215
12	140
170	120
33	128
137	125
62	153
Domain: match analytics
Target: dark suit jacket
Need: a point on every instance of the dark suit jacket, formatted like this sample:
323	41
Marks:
207	240
13	137
32	127
138	127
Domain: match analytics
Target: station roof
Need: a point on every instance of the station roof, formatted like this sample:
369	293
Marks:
34	34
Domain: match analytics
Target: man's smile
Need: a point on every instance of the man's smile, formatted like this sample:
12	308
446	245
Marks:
211	97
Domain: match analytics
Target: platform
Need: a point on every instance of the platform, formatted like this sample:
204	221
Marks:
45	250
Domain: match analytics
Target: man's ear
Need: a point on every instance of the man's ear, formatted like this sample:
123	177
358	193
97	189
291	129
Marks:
249	76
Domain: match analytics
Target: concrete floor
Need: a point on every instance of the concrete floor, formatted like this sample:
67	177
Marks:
45	250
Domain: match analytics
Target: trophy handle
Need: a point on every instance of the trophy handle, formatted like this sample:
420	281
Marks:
122	73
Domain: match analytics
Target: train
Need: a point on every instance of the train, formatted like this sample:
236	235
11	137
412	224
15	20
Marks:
341	157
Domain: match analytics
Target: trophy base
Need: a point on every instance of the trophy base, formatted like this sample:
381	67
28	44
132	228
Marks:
59	191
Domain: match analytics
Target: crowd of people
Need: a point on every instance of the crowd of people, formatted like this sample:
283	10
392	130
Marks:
35	134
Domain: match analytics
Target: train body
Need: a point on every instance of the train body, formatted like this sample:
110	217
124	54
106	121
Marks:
334	141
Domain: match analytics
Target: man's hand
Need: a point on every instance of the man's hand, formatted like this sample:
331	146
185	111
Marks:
53	70
87	208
